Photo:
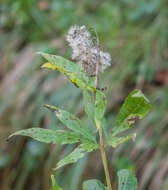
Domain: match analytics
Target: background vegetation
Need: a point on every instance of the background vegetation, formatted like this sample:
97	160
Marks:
136	35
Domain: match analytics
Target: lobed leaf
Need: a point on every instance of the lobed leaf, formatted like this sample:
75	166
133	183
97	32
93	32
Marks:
49	136
71	158
54	184
73	123
93	184
126	180
135	107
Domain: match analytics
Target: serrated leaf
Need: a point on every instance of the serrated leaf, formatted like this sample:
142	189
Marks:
100	104
54	184
93	184
74	73
71	158
115	141
135	107
89	104
73	123
126	180
49	136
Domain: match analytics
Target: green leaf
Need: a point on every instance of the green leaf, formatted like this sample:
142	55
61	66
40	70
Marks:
135	107
126	180
100	104
115	141
64	65
89	104
49	136
93	184
73	123
54	184
74	73
88	146
72	157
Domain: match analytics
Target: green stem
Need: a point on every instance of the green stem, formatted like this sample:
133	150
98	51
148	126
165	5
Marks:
99	127
104	159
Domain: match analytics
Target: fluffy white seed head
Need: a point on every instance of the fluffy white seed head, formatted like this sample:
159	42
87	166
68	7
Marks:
84	51
105	60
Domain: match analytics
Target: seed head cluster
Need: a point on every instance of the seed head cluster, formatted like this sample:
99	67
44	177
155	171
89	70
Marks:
85	53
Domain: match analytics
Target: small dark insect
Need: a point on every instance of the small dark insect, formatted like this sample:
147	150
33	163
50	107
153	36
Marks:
102	89
133	119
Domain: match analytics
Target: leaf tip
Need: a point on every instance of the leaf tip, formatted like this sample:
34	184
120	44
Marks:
51	108
10	136
54	169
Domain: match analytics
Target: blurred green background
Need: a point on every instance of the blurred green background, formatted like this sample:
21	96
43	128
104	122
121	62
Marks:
135	33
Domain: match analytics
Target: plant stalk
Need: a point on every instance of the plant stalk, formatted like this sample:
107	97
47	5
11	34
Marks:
99	127
104	159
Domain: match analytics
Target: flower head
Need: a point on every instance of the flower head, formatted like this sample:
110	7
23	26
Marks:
85	52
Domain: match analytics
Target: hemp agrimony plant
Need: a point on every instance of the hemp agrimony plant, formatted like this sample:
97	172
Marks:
89	61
